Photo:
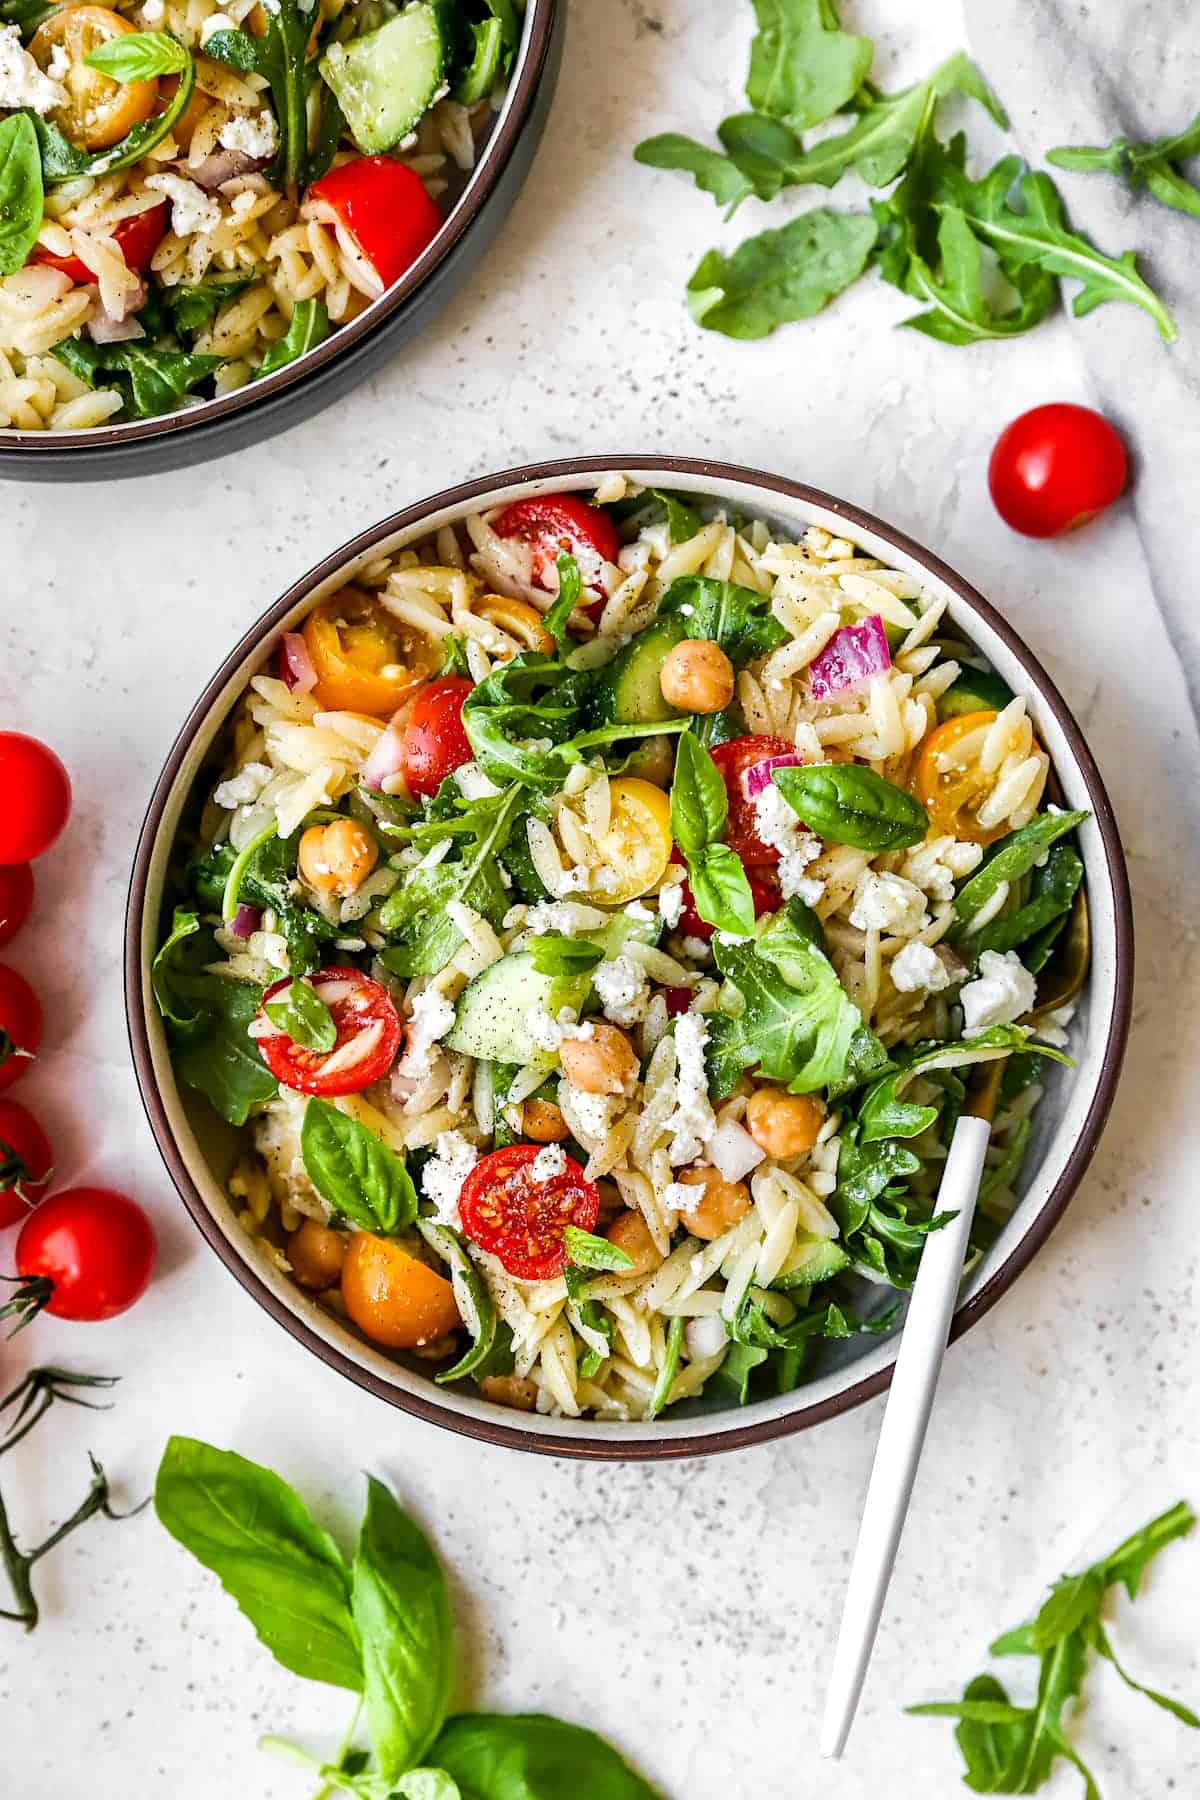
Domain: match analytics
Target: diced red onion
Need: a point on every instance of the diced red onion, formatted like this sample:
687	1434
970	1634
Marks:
758	775
297	670
853	655
222	165
103	328
246	920
733	1152
678	1000
384	760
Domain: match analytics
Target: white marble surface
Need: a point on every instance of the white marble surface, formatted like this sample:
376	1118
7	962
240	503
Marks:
687	1611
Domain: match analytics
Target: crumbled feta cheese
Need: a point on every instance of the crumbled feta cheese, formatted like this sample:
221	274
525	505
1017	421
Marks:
678	1196
432	1017
60	62
939	863
692	1121
781	830
473	784
254	133
918	968
152	11
1000	993
589	1114
243	788
192	210
640	914
550	1161
670	900
696	949
22	82
888	903
1053	1028
623	990
548	1033
444	1173
566	917
705	1337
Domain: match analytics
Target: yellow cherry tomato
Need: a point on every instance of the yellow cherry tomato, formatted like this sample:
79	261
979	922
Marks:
636	848
366	660
949	783
518	619
392	1297
99	111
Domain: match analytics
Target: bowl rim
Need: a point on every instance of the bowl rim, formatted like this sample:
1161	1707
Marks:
556	475
482	180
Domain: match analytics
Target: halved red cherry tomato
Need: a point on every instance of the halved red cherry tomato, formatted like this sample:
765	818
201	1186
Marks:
383	206
521	1219
764	891
25	1162
86	1253
20	1025
136	238
1055	468
733	759
434	742
368	1036
35	797
550	523
16	898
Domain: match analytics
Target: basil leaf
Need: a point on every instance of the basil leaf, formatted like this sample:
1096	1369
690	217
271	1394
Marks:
300	1011
713	173
781	276
848	804
208	1020
720	890
570	587
309	327
554	955
471	1294
21	196
64	161
255	1534
699	801
400	1608
803	66
430	1784
1010	859
355	1172
138	56
586	1251
526	1756
737	618
151	380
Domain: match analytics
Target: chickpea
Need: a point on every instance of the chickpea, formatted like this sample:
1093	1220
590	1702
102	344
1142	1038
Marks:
697	677
653	761
631	1234
719	1204
337	858
783	1124
316	1255
604	1063
542	1121
510	1390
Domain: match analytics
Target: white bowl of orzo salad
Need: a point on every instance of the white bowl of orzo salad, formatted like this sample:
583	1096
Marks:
568	926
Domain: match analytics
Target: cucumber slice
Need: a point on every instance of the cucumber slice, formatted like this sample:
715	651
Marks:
387	79
493	1011
976	690
628	691
814	1259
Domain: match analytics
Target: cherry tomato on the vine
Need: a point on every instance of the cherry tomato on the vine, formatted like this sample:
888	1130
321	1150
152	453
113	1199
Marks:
16	898
25	1162
1055	468
20	1025
85	1253
368	1036
520	1218
434	742
35	797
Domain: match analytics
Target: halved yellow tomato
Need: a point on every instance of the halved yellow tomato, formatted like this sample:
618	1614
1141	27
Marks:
636	848
519	619
366	660
392	1297
950	785
99	111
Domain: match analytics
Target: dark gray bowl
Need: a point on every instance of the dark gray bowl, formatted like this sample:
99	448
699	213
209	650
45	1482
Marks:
352	352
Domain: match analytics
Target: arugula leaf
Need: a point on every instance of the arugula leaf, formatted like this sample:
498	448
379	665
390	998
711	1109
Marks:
309	327
253	1531
803	66
281	58
713	173
741	1360
1149	165
780	276
193	305
208	1019
473	1299
151	379
355	1172
883	1114
300	1011
570	586
64	161
526	1756
414	913
26	15
670	1368
849	804
554	955
586	1251
1128	1563
683	521
21	197
737	618
1052	892
957	289
138	56
1010	859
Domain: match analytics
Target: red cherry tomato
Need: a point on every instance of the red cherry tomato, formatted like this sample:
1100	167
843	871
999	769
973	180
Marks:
25	1161
20	1026
368	1037
521	1219
764	891
1055	468
434	742
551	523
85	1253
35	797
137	239
384	207
16	898
741	828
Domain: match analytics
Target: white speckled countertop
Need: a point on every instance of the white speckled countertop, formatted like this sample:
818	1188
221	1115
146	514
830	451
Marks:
687	1611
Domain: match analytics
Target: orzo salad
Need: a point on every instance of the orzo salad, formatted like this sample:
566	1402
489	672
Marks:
195	192
593	922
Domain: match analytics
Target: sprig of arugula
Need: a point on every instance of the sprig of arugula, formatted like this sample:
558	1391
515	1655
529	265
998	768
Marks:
1153	166
1011	1749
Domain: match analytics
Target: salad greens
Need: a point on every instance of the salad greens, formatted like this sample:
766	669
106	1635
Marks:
699	808
21	197
739	619
309	327
1012	1749
151	379
355	1172
847	803
207	1019
781	276
377	1623
1153	165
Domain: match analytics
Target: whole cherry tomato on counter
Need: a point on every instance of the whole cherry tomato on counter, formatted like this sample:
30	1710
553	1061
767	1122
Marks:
136	238
35	797
16	898
368	1036
25	1162
552	523
434	742
520	1218
85	1253
383	207
20	1025
1055	468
